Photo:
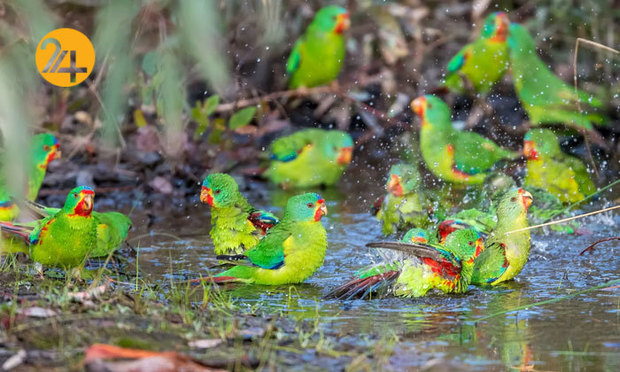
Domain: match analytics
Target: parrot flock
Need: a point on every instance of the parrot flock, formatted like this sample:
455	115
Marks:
442	248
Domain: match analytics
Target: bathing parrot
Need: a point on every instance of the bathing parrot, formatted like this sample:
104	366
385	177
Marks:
545	97
289	253
44	148
317	56
309	157
65	239
452	155
505	253
112	228
423	267
548	168
405	205
235	225
484	61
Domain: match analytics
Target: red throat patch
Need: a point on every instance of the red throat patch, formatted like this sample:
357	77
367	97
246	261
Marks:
321	210
85	206
205	196
343	23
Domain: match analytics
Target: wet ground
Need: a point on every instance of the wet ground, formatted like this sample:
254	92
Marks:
485	329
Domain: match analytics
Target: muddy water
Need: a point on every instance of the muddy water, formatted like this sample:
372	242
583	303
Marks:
464	332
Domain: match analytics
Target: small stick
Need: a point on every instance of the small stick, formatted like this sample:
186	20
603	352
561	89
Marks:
593	43
224	107
591	246
565	219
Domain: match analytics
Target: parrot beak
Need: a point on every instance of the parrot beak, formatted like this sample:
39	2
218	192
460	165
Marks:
56	151
321	209
88	202
346	154
205	196
393	186
418	106
526	198
479	248
342	23
529	150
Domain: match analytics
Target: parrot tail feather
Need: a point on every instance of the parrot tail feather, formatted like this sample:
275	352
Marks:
16	230
364	287
216	280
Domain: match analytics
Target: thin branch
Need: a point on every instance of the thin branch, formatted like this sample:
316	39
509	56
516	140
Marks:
591	246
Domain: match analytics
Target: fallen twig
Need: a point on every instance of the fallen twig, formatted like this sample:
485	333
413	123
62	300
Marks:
303	92
591	246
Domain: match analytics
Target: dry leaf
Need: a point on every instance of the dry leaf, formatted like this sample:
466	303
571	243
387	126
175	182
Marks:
101	357
161	184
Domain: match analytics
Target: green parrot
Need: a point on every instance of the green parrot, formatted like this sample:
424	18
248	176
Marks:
424	267
309	157
505	252
405	205
545	97
483	62
484	217
289	253
317	56
235	225
44	149
112	228
65	239
550	169
452	155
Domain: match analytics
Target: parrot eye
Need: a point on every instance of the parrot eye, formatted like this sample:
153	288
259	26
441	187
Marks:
46	148
75	194
217	192
310	205
470	243
513	199
429	106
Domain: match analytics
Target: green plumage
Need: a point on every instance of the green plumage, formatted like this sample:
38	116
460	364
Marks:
291	251
112	228
309	157
483	62
317	56
505	254
550	169
235	225
452	155
422	268
405	205
64	239
545	98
